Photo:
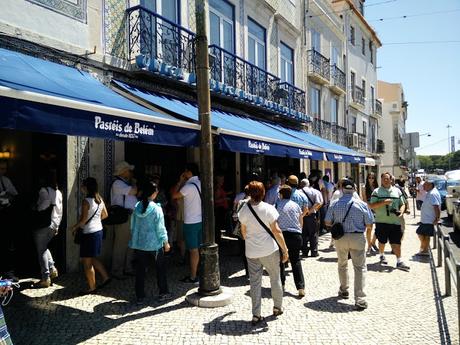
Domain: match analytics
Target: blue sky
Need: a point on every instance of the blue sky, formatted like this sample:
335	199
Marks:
429	73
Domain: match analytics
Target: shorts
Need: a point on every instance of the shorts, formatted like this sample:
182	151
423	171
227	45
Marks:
388	233
91	244
425	230
192	235
418	204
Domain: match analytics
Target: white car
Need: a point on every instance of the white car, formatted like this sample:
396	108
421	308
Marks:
453	193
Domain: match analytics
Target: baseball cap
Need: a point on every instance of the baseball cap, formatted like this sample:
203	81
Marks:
348	184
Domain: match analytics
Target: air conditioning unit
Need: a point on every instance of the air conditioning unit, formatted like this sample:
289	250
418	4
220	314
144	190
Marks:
353	140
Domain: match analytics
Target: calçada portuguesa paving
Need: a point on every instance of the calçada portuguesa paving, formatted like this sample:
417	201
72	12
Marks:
404	308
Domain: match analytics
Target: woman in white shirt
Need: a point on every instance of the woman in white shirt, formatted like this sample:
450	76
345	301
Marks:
49	207
261	242
93	211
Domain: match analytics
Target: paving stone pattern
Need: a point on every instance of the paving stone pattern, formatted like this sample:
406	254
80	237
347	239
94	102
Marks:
404	308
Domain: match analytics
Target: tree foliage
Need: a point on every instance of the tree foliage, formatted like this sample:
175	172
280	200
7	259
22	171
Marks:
429	163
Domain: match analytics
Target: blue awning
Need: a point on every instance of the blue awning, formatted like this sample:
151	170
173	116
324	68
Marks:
236	133
39	95
334	152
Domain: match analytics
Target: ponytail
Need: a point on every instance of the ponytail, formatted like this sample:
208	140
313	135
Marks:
147	189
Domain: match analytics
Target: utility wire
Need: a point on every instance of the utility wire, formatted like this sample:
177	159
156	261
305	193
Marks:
413	15
380	3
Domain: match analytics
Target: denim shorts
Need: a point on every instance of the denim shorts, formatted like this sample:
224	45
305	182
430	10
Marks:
192	235
91	244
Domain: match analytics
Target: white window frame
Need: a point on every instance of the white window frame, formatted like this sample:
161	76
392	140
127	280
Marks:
258	41
223	18
286	64
336	102
315	37
318	113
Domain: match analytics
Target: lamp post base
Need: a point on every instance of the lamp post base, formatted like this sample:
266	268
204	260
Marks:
209	270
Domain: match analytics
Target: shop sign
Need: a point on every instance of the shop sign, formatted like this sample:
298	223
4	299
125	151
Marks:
124	128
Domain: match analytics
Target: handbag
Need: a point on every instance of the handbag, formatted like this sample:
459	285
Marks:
42	219
337	231
266	228
79	233
117	214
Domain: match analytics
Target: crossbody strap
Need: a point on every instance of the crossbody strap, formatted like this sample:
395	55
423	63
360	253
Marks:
309	199
346	214
262	223
97	209
198	189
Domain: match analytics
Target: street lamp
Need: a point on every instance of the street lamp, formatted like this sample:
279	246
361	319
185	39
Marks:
427	134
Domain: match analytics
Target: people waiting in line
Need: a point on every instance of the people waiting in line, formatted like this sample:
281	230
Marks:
149	239
189	188
370	185
93	211
123	194
8	254
5	338
271	197
258	225
238	203
389	206
310	219
290	221
221	208
49	217
355	217
429	218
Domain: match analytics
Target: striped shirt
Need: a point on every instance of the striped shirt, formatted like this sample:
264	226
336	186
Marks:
289	218
359	216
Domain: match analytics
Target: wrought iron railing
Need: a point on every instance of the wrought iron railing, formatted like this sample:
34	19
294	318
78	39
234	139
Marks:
362	142
151	36
358	95
338	77
378	107
234	71
318	64
339	134
295	98
322	128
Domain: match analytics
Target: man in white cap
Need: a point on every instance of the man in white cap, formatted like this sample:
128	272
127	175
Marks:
430	215
123	193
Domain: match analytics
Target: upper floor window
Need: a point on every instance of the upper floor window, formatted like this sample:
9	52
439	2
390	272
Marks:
222	19
365	128
352	35
256	44
315	41
335	57
372	99
166	8
286	63
363	46
361	7
353	124
363	86
353	79
334	109
371	51
315	102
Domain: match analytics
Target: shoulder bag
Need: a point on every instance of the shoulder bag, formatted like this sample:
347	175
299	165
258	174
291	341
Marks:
337	231
237	228
265	228
79	233
117	214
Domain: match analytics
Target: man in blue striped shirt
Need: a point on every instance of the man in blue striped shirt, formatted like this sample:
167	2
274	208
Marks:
359	218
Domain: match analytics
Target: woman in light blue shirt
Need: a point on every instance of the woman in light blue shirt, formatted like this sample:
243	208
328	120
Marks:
149	239
290	221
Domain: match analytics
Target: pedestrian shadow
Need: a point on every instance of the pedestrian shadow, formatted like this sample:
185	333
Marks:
331	304
235	327
266	292
422	259
236	281
378	267
321	259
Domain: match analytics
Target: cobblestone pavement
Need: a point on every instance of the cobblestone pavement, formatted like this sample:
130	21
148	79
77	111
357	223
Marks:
404	308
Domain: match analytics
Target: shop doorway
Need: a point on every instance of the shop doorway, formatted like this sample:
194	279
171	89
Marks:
31	156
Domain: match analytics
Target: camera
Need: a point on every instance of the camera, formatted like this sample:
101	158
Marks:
396	212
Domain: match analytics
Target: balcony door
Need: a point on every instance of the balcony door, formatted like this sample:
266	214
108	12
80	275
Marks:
256	78
286	63
222	34
163	38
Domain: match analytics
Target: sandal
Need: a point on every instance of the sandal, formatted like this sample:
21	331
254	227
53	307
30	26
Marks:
256	319
277	311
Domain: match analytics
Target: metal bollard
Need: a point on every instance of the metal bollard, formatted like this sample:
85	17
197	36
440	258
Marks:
446	268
